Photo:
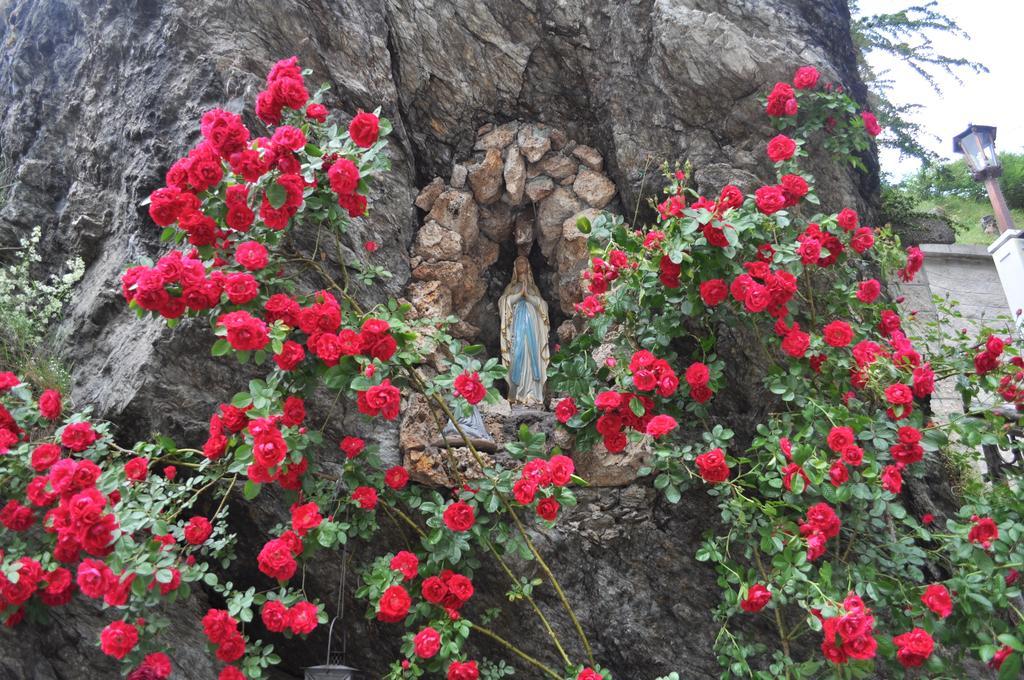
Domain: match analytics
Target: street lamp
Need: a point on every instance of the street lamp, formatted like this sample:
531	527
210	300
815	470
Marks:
978	145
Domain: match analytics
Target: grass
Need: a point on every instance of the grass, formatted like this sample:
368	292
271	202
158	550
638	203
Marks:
966	216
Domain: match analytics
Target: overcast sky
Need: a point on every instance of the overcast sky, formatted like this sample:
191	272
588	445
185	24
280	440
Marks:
996	30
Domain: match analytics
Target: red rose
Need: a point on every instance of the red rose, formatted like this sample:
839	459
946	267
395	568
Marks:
230	673
50	404
396	477
838	334
847	219
821	517
365	497
290	356
245	332
274	615
45	455
302	617
78	436
899	394
913	648
93	578
868	291
434	589
770	199
470	387
794	187
352	446
983	532
383	399
548	508
852	455
589	674
697	374
871	123
317	112
218	625
305	517
839	438
561	468
407	563
343	177
524	491
936	597
781	148
198	530
364	129
276	560
393	605
460	587
158	663
661	425
463	670
293	412
252	255
862	239
757	597
713	292
712	466
669	272
565	410
838	474
427	643
459	516
730	197
232	648
118	638
796	343
805	78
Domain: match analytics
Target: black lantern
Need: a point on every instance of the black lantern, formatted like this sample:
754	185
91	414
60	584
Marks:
978	145
335	668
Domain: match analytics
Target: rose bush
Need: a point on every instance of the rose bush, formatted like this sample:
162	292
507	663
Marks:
813	529
813	533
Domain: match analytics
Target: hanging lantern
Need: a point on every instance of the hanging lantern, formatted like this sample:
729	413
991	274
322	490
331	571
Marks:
332	672
335	668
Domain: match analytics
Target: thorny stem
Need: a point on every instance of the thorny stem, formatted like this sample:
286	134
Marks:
533	603
783	636
515	650
519	525
421	387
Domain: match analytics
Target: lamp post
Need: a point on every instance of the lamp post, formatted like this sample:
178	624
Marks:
978	145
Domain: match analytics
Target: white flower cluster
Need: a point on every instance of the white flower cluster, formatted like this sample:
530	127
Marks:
29	305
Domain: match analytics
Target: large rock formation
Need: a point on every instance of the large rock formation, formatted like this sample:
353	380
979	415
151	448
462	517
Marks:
100	98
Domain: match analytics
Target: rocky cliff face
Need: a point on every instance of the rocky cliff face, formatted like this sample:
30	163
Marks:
101	97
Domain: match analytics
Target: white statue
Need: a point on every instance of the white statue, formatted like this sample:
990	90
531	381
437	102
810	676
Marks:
524	336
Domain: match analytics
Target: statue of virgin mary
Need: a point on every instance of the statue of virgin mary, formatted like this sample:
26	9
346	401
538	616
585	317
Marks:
524	336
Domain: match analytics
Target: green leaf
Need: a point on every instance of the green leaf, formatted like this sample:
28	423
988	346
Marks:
1011	641
250	490
1010	670
277	195
220	348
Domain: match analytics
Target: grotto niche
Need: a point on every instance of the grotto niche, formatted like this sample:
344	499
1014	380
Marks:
519	195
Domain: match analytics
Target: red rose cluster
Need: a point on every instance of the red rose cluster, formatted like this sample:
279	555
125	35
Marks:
300	618
540	474
762	290
820	525
650	374
221	629
617	414
850	635
602	273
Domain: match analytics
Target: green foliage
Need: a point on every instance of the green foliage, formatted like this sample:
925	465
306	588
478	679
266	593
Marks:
947	190
29	306
906	35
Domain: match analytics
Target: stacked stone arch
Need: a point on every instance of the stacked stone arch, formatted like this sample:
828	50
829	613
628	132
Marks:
520	193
